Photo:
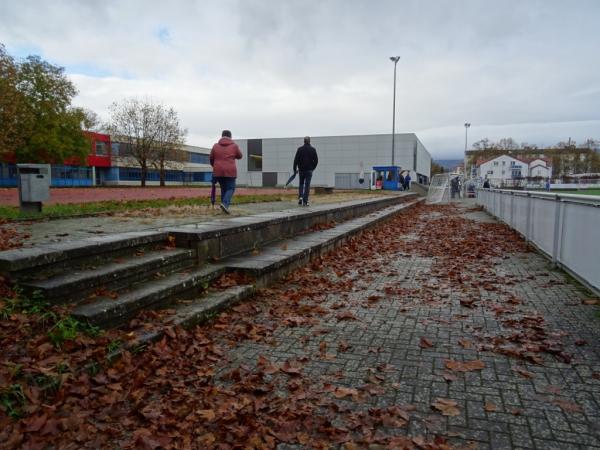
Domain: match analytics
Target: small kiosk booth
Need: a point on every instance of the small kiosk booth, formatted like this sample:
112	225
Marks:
387	177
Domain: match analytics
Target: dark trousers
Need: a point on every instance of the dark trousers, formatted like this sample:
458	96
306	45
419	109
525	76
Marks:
227	185
304	187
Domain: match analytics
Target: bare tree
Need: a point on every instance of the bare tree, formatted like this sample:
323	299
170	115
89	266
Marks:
168	152
483	144
508	144
150	133
91	121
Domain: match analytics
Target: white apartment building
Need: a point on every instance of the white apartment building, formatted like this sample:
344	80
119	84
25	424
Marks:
502	168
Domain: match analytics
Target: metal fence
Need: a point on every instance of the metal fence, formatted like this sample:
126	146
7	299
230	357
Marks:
566	227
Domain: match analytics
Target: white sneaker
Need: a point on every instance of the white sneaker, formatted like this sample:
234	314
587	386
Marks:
224	208
300	201
307	203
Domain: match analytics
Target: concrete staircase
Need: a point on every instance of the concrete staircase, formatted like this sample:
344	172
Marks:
110	279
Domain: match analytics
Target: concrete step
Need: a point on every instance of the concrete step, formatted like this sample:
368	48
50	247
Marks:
229	237
20	260
152	294
112	276
276	260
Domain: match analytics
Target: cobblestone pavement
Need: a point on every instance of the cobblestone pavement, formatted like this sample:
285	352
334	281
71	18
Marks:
403	322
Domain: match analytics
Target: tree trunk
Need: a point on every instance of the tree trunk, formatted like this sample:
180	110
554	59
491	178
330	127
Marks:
162	173
143	175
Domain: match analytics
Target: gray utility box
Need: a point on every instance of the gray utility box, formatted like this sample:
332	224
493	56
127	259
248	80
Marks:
34	186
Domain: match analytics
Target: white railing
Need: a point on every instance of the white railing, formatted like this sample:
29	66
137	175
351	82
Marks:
566	227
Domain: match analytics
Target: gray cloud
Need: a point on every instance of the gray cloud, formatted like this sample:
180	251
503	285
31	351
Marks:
526	69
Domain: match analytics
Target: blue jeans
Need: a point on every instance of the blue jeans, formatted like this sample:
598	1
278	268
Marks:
227	185
304	188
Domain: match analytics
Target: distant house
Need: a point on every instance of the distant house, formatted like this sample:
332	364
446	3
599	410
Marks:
540	168
502	168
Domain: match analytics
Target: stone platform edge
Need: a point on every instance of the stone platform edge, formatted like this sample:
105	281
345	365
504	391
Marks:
189	236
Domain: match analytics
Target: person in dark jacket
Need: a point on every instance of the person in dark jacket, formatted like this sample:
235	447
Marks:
305	162
222	159
407	181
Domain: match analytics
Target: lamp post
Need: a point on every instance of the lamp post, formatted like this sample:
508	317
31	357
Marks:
467	126
395	60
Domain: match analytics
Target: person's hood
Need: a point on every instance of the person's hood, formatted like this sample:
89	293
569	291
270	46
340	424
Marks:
225	141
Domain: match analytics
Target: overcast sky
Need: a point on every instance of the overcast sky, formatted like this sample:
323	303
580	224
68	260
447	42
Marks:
525	69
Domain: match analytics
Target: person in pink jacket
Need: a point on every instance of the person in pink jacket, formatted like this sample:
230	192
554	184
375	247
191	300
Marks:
222	159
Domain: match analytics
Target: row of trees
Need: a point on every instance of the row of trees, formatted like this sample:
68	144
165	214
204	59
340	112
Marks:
38	122
511	144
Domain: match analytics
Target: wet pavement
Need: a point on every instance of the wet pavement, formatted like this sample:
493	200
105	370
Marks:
489	350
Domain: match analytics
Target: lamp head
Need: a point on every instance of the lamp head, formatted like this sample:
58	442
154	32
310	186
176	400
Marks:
467	125
395	59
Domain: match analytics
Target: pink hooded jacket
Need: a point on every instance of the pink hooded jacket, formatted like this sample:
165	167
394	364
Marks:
223	156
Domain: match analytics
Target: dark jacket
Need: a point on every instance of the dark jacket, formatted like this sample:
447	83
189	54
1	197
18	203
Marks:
223	156
306	158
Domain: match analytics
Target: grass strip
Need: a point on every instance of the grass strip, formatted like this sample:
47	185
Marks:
81	209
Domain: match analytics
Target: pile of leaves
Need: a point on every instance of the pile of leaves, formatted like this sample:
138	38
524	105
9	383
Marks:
10	237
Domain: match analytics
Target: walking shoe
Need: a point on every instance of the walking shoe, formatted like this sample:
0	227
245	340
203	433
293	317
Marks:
307	203
300	201
224	208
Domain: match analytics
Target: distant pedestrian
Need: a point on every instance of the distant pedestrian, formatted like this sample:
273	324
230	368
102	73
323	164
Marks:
454	188
486	184
305	163
548	184
407	182
222	159
401	182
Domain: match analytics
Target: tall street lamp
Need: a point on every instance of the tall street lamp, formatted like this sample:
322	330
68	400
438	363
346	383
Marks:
467	126
395	59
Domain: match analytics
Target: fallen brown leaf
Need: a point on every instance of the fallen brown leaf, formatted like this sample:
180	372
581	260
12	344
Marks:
467	302
466	366
567	405
524	373
465	343
449	377
490	407
346	315
206	414
341	392
590	301
446	406
425	343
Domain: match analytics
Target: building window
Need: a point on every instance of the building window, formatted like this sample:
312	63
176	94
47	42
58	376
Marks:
100	148
199	158
503	172
503	163
495	163
255	155
125	149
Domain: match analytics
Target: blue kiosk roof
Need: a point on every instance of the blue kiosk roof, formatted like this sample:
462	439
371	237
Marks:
386	167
